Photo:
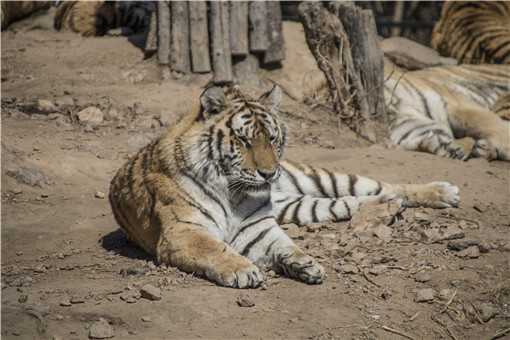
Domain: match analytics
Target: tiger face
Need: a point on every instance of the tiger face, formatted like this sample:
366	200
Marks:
247	139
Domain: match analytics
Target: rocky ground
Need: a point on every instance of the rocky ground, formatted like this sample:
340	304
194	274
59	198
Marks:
73	110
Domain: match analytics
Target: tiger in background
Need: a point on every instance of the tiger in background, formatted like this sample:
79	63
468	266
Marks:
450	110
96	18
209	195
474	32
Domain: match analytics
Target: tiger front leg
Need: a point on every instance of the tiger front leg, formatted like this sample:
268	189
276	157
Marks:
263	241
193	249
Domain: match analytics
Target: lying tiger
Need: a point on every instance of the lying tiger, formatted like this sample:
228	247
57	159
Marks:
452	111
209	195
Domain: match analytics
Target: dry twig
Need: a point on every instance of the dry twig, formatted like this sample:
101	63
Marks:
395	331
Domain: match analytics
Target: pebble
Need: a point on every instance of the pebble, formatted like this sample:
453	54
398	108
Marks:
458	245
40	269
425	295
77	299
349	269
19	253
377	269
99	195
445	294
65	101
487	311
59	317
146	319
422	277
130	297
28	175
245	301
472	252
45	106
101	329
133	271
150	292
90	116
65	302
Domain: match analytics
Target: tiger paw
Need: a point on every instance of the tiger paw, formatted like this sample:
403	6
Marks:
460	148
243	275
485	149
301	267
439	195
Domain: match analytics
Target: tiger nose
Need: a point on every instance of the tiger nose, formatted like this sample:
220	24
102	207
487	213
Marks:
267	175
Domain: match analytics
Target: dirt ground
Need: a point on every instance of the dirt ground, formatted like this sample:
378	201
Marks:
65	264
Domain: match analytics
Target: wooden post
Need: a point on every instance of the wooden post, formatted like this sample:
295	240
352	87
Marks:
163	32
239	31
275	51
259	41
180	51
199	37
151	42
220	39
353	70
245	69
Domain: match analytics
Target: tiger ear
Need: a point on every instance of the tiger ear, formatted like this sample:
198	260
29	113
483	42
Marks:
212	101
272	98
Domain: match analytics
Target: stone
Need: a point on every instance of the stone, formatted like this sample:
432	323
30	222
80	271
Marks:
487	311
90	116
101	329
150	292
371	217
65	102
62	122
146	319
130	296
378	269
349	269
28	175
425	295
484	247
77	299
99	194
45	106
383	232
40	309
472	252
40	269
133	271
422	277
66	302
245	301
458	245
445	294
112	114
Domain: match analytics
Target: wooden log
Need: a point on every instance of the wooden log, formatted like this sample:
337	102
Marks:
276	50
367	56
151	41
245	70
259	40
331	46
163	32
220	41
179	48
199	36
239	32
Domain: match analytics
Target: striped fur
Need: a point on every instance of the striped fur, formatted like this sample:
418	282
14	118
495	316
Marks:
209	195
95	18
474	32
447	110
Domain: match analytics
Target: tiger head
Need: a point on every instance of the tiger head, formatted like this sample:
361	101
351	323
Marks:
244	136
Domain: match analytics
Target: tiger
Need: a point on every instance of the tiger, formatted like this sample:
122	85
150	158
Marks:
474	32
96	18
12	11
209	195
449	110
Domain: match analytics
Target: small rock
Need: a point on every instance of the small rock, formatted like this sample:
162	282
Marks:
472	252
99	195
146	319
383	232
150	292
422	277
65	102
28	175
378	269
59	317
112	114
487	311
62	122
130	296
245	301
45	106
453	233
458	245
40	269
23	298
445	294
133	271
76	300
349	269
101	330
484	247
90	116
425	295
66	302
19	253
16	333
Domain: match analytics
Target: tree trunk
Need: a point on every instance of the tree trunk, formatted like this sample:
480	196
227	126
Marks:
259	41
163	32
275	51
239	31
180	52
